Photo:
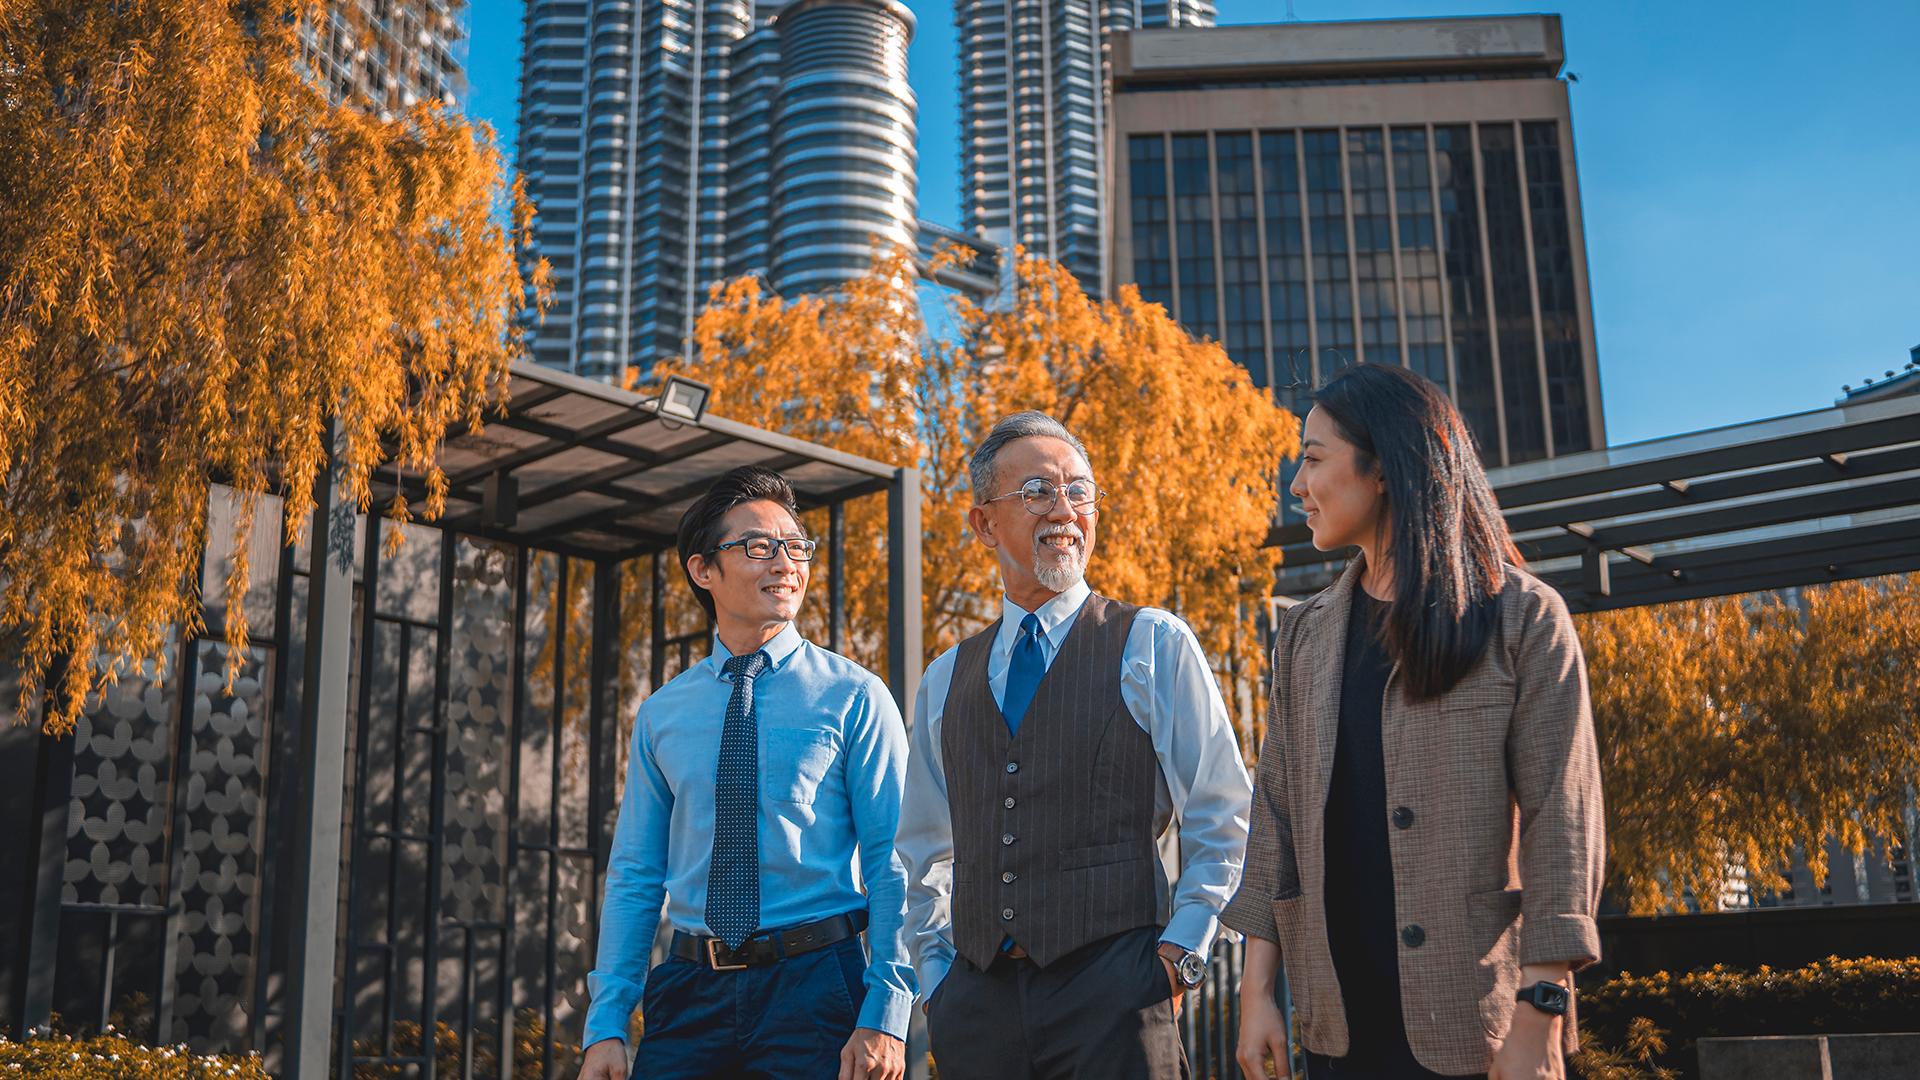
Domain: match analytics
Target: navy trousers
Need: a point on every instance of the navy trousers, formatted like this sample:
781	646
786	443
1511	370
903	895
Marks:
784	1021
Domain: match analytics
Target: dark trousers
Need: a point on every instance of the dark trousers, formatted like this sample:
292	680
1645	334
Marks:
1102	1012
783	1021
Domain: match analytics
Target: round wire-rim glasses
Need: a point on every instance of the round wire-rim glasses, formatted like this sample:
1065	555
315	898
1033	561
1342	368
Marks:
1041	496
764	548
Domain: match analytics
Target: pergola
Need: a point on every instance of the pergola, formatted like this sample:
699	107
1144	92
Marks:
457	703
1796	500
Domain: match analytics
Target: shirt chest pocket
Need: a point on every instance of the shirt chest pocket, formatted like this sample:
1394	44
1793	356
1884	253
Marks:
795	762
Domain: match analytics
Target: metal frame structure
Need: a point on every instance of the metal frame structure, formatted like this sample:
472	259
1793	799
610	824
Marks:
410	868
1814	497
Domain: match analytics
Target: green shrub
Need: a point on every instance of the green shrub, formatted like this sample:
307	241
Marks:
1831	997
113	1057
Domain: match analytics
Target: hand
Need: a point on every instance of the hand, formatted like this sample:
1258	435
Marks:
1178	988
873	1055
605	1060
1531	1050
1265	1051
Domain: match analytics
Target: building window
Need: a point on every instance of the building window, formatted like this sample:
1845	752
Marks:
1512	296
1199	306
1553	271
1152	250
1327	239
1466	287
1240	253
1286	268
1420	279
1373	246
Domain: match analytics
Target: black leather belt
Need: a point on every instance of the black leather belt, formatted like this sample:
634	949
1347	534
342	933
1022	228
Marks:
769	946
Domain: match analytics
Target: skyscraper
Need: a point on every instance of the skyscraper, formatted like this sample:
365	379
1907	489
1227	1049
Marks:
673	144
1032	116
388	57
1396	191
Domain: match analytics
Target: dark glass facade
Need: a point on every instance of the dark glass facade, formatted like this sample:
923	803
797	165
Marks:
1553	271
1375	292
1466	286
1448	248
1193	234
1418	235
1286	254
1329	253
1152	248
1245	321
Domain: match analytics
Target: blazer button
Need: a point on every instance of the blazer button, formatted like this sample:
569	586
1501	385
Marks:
1007	839
1013	766
1402	817
1008	877
1413	936
1009	802
1006	913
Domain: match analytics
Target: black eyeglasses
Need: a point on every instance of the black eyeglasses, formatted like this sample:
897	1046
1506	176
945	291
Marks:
764	548
1041	496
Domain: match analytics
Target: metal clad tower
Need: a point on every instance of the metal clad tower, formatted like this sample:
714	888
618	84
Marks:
672	144
844	173
1033	118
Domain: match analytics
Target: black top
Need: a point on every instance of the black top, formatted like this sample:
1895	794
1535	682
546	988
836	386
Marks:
1361	930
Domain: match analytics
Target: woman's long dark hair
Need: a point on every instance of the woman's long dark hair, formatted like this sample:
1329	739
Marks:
1448	544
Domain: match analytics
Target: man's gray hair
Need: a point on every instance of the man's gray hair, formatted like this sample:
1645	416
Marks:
1021	425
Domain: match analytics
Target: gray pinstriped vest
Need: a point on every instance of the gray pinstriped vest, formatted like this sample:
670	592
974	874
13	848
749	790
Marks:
1053	829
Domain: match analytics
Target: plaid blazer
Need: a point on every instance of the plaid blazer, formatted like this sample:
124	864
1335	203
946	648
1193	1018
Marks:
1499	861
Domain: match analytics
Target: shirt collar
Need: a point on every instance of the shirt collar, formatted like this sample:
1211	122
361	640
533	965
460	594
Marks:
784	645
1054	614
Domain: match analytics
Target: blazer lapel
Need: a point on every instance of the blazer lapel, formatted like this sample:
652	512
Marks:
1327	640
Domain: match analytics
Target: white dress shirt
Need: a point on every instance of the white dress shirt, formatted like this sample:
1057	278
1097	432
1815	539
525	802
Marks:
1202	783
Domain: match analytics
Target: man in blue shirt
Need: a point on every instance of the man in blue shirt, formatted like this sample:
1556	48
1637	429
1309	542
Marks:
757	778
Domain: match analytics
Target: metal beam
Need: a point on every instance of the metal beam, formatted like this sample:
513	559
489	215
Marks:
323	733
903	587
36	950
600	518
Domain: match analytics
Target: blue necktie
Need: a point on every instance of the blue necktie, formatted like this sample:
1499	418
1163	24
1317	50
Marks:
733	881
1024	673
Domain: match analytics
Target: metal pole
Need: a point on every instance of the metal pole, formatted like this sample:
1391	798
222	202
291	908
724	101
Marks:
39	940
903	586
837	576
323	746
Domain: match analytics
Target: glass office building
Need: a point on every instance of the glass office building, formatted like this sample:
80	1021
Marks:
1314	195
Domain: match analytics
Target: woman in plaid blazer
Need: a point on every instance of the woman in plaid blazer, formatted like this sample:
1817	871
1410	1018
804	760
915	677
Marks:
1426	844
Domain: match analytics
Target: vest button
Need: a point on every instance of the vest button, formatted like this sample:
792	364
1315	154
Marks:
1402	817
1006	914
1008	877
1413	936
1009	802
1013	766
1007	839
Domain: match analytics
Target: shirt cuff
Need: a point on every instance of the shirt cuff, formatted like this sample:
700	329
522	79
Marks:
1192	928
610	1010
933	972
887	1011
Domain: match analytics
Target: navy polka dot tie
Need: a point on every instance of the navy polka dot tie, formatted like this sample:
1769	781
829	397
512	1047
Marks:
733	881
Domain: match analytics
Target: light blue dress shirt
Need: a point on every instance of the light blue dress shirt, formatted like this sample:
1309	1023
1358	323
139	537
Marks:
832	755
1172	693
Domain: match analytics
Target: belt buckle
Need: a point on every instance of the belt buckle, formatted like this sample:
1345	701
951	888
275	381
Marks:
714	945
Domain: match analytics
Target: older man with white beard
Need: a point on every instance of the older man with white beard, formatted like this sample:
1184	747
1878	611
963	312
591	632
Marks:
1048	754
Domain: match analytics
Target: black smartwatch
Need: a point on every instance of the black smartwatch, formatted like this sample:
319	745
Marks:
1549	997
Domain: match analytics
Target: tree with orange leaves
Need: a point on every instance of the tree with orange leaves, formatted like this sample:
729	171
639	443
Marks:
1188	445
204	265
1737	733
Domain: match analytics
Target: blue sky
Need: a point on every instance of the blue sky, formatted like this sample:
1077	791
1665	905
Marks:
1750	179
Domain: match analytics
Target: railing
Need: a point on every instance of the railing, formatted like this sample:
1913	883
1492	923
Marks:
1210	1020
